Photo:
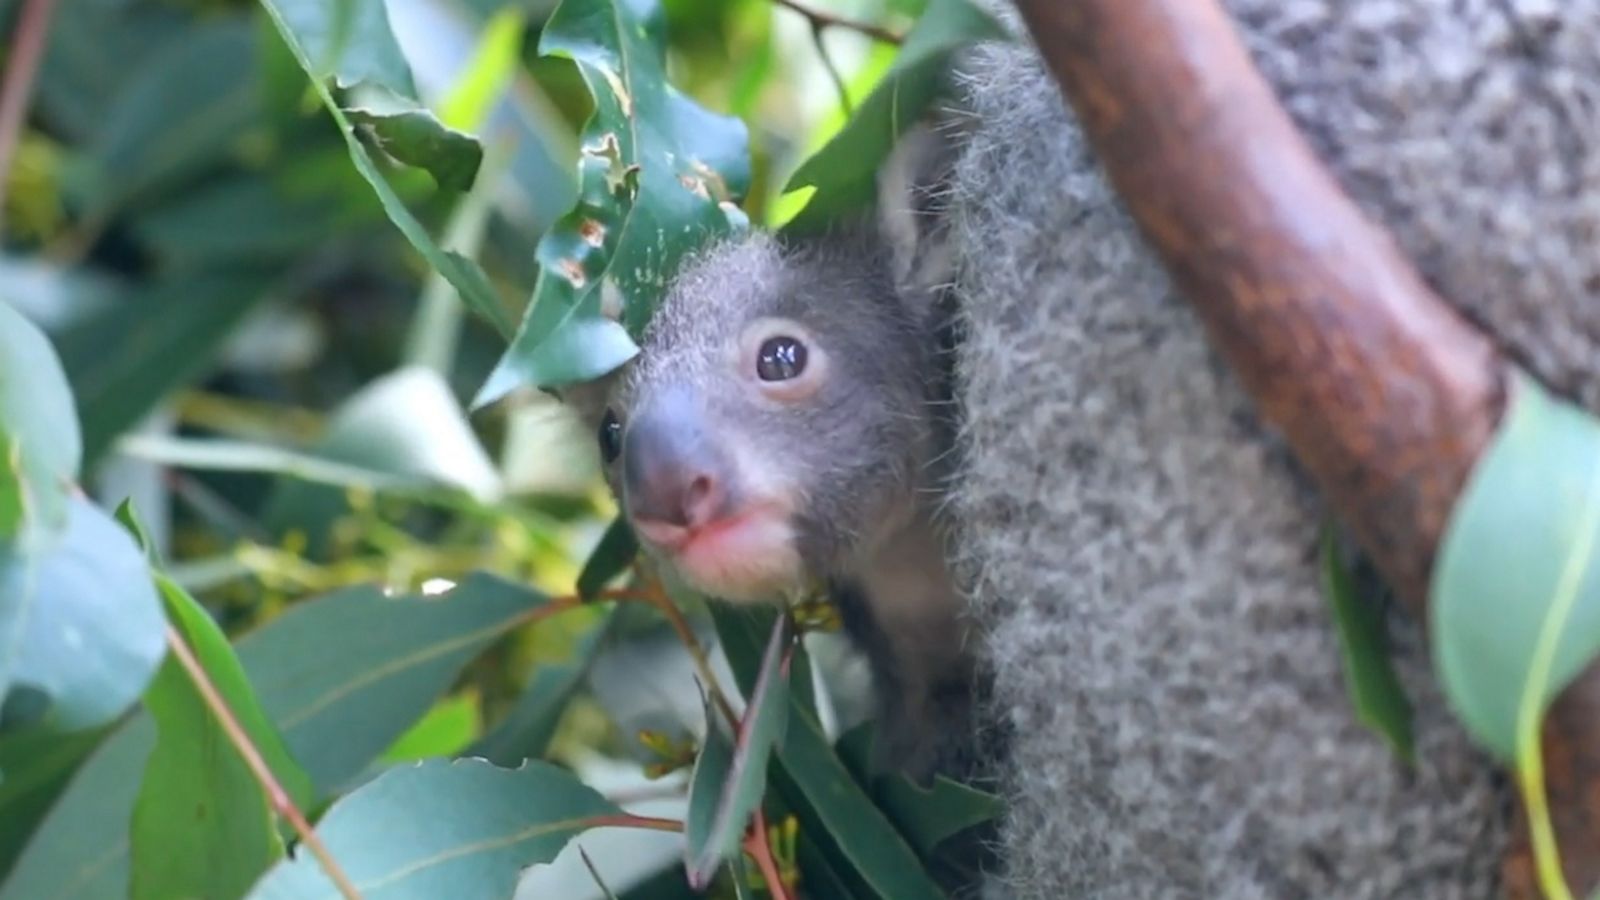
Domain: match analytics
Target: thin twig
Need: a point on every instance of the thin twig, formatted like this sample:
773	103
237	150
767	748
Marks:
276	795
628	820
27	49
833	70
757	843
820	20
656	596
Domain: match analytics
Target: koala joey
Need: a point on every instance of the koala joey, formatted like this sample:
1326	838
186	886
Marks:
781	432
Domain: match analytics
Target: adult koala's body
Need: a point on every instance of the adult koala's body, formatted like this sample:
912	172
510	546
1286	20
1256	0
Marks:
1141	554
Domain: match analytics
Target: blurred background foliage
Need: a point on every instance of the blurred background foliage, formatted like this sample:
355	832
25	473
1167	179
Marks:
266	367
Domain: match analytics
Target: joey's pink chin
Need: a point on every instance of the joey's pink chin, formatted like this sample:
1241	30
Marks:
747	558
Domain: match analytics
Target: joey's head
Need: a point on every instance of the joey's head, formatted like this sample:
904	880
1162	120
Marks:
775	426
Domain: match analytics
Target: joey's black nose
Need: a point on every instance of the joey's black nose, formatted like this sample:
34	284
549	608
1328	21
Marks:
673	470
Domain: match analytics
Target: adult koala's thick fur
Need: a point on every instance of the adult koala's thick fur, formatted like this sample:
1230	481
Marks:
1138	552
1141	556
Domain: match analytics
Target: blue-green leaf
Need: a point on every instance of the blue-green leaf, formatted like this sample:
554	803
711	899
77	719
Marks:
1516	589
460	829
729	780
844	172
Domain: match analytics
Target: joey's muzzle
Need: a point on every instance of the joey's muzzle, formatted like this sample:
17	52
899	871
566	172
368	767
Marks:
675	474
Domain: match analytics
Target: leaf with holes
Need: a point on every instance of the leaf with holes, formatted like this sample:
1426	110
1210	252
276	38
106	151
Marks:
658	177
398	837
729	779
844	172
1516	588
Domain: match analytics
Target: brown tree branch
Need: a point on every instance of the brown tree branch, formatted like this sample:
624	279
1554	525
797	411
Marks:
276	795
1386	395
821	20
27	49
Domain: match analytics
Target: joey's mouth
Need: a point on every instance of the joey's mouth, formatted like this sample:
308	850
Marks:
745	557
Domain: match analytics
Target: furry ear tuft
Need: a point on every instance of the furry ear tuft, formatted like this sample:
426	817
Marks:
912	187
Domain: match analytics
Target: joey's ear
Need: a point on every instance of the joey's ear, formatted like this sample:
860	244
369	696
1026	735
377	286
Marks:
912	188
588	399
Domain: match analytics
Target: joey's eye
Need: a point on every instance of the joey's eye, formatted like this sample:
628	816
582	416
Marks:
610	437
780	359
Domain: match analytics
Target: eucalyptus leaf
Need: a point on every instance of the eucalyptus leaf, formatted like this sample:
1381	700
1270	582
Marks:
124	361
658	177
416	137
526	731
857	835
729	781
38	431
169	126
398	837
338	704
202	823
365	51
462	273
95	634
1515	592
611	557
1379	697
844	172
927	816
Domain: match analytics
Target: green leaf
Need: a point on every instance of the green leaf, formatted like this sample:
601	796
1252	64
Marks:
34	769
488	73
1379	698
393	838
38	430
202	824
416	138
447	728
80	850
729	780
927	816
844	172
526	731
366	51
658	177
611	557
825	792
338	704
1515	591
249	220
95	633
169	126
462	273
124	361
319	684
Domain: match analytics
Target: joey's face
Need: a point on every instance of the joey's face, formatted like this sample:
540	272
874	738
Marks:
773	426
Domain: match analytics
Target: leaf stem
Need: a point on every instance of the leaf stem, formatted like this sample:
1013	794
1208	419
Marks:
1530	713
655	595
820	19
276	795
629	820
758	845
27	49
832	69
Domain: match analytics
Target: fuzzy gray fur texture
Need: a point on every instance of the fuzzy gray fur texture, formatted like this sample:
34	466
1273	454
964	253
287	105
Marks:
1141	553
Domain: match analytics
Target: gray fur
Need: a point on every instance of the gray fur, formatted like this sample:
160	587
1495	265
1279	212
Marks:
1139	551
861	453
1142	557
